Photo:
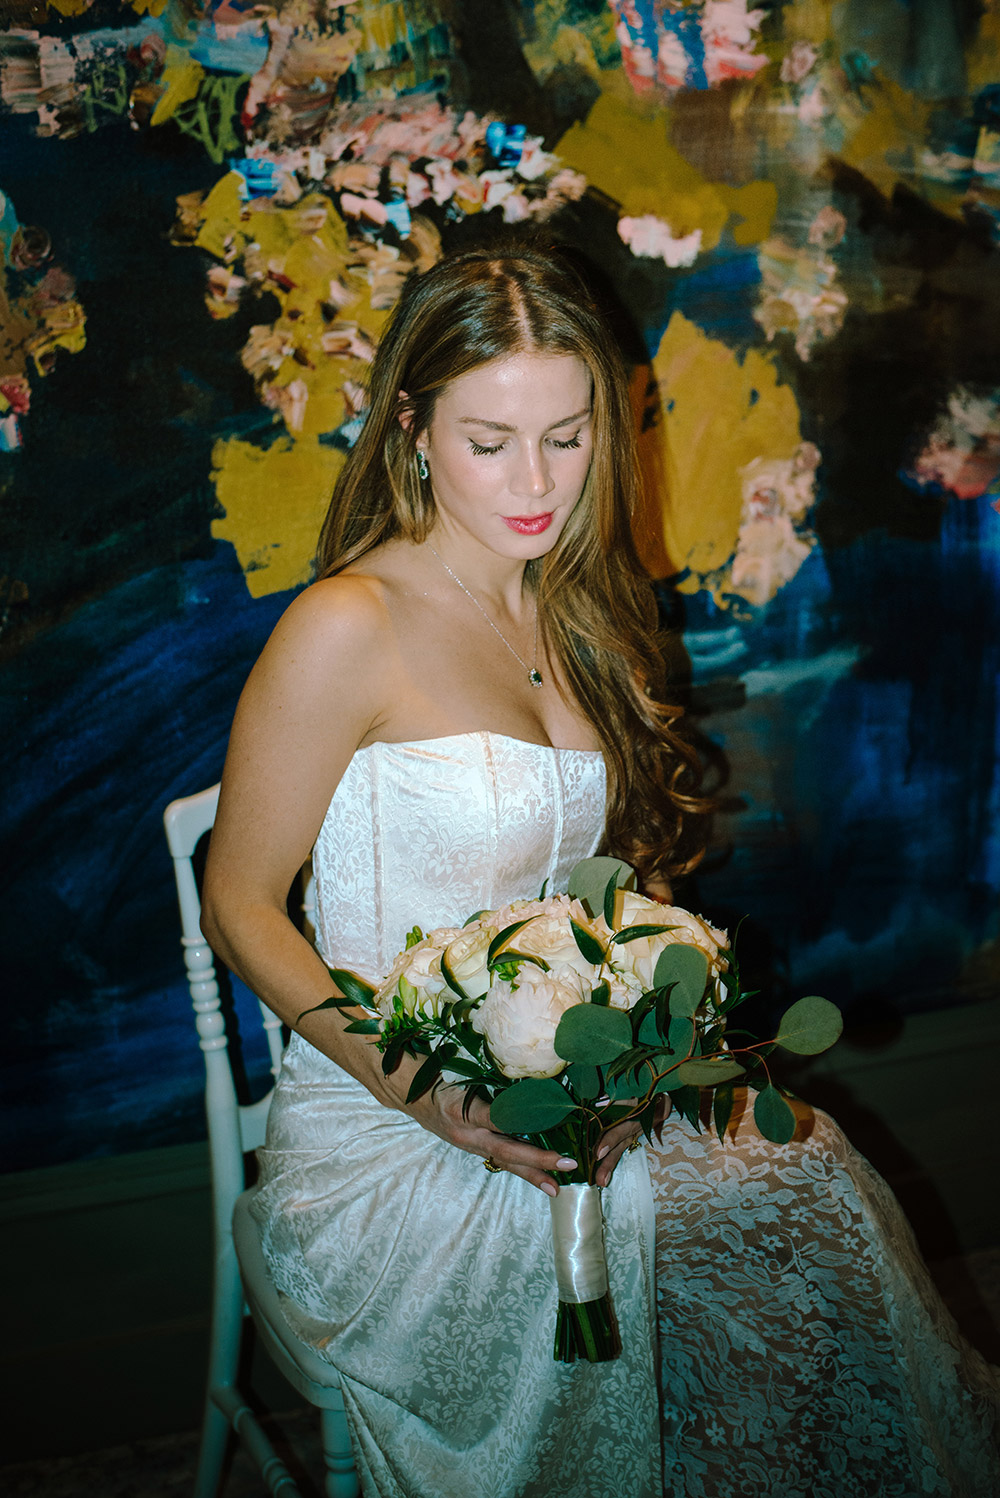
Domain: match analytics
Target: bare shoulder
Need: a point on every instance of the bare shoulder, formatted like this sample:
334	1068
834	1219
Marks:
329	661
348	612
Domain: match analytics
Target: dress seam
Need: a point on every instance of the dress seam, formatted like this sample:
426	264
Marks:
493	792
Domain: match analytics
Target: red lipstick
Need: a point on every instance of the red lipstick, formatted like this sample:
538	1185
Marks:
528	525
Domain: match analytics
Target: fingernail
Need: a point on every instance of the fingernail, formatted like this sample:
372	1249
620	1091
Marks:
565	1163
550	1188
603	1151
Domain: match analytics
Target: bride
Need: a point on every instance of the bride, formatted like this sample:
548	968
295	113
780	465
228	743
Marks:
466	703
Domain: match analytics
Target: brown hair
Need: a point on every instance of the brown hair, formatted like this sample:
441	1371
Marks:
596	606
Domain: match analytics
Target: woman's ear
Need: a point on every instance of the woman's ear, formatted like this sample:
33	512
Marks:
403	412
404	415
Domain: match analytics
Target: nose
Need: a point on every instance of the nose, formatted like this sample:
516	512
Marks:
532	476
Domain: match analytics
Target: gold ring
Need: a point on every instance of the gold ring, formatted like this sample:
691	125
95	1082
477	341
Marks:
635	1143
490	1164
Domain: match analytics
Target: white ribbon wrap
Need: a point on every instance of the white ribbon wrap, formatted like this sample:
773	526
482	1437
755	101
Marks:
578	1243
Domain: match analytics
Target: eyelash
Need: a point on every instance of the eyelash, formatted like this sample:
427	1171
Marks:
483	452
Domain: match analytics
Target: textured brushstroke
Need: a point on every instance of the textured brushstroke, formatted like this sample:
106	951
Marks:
722	451
628	156
693	45
653	239
961	454
39	315
799	294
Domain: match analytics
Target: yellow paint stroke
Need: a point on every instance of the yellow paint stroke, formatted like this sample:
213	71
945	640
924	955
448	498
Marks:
889	138
182	78
625	152
275	499
707	416
983	54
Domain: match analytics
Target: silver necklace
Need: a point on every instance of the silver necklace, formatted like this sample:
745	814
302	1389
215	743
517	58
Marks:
534	675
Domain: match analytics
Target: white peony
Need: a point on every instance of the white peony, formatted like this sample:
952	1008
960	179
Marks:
637	959
519	1020
425	988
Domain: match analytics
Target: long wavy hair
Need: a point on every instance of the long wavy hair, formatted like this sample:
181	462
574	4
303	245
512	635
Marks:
596	607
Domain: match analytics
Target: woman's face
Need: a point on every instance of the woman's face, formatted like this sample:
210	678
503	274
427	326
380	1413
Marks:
509	449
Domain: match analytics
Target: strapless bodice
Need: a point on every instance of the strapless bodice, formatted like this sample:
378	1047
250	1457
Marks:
428	831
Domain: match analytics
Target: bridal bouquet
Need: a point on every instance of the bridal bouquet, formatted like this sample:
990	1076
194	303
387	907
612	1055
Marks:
572	1014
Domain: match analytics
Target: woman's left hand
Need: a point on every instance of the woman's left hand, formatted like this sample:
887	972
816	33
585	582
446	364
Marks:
621	1137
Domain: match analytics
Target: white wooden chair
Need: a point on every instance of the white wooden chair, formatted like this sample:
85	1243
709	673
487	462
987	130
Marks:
241	1282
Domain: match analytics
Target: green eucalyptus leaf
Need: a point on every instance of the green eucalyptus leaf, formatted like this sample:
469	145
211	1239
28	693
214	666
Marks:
592	1034
649	1030
589	881
681	1035
670	1081
772	1115
590	947
706	1072
355	989
501	939
601	995
585	1080
530	1106
686	968
722	1108
810	1026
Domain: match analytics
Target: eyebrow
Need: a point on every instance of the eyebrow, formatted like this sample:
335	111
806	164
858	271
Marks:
501	426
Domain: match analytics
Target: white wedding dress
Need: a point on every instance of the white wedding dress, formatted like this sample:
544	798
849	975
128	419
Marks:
780	1335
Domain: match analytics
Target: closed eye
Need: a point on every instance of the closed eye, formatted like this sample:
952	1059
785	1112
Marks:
480	451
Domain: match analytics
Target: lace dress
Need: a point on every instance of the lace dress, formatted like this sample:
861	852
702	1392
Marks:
801	1350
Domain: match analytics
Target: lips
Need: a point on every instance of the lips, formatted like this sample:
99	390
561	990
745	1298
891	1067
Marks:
528	525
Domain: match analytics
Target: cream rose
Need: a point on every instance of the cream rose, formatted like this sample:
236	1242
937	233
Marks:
467	958
424	988
548	934
519	1020
637	959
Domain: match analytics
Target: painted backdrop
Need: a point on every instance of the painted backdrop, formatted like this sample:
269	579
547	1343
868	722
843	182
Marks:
207	212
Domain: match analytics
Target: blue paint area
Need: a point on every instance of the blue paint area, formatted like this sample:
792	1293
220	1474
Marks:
686	27
111	716
861	709
243	51
718	293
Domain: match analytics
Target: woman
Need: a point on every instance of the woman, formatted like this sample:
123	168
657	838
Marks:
464	705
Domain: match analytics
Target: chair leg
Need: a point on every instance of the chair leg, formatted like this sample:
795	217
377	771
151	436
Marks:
211	1452
223	1361
341	1476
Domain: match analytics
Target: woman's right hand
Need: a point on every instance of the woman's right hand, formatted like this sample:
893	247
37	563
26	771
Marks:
440	1112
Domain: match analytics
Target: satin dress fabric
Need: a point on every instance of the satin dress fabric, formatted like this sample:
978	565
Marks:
780	1334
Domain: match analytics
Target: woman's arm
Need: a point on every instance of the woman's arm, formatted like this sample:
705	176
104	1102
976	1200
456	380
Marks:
318	690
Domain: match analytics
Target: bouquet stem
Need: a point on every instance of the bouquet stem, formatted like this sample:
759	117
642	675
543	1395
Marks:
587	1331
585	1322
